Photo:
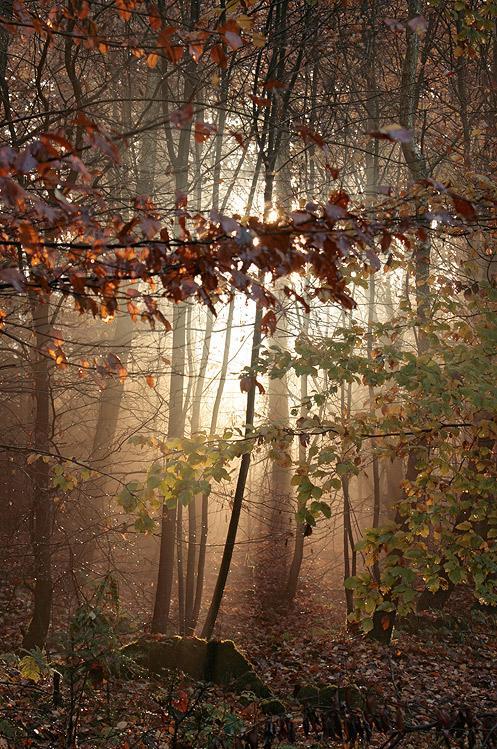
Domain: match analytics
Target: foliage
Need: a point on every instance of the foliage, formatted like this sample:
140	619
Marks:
439	408
188	468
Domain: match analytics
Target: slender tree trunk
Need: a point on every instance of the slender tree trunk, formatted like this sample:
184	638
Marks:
179	158
298	549
205	501
163	591
275	562
229	546
40	476
348	541
418	167
111	398
371	191
180	569
195	505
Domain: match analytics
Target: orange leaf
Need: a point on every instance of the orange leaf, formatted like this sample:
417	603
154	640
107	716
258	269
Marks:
218	57
152	60
123	8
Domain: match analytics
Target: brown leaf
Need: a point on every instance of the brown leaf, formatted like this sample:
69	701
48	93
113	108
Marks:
181	117
13	277
246	383
268	322
218	56
464	207
202	131
395	133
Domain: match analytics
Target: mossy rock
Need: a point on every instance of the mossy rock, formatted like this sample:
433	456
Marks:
329	696
273	707
218	661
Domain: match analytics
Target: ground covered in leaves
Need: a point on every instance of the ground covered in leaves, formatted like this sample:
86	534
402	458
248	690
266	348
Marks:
437	669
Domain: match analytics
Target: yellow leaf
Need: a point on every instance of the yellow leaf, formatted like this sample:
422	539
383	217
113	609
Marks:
29	668
245	22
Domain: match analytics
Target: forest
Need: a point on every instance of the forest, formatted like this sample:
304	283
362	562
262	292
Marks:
248	334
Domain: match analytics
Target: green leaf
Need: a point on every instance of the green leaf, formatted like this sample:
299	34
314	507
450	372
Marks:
7	729
144	524
352	583
127	499
367	625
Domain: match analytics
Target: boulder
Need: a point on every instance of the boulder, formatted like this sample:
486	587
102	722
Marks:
329	696
217	661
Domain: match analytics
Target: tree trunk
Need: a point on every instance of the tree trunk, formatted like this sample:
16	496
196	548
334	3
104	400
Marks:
40	475
217	597
195	505
280	489
175	428
205	500
298	549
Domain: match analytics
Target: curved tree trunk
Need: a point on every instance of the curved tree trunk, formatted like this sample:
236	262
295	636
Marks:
204	520
229	546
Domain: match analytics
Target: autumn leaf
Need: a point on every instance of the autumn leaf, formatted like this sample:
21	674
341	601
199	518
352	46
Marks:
13	277
152	60
245	22
182	117
394	24
260	101
203	131
154	18
268	322
30	668
464	208
233	40
246	383
218	56
272	84
258	39
394	132
123	8
418	25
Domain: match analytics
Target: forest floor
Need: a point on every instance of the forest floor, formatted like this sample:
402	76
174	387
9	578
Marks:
434	668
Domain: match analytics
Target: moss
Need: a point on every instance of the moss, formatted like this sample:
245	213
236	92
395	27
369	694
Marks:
273	707
308	694
329	696
353	697
218	661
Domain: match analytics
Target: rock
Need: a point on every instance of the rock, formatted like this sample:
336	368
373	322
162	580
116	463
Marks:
218	661
273	707
330	696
